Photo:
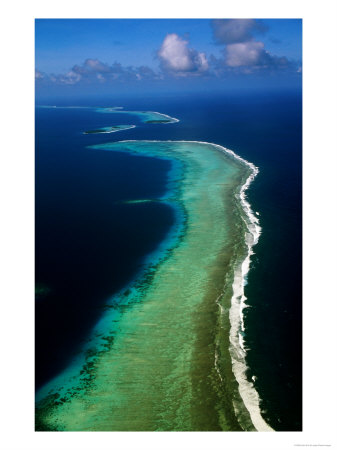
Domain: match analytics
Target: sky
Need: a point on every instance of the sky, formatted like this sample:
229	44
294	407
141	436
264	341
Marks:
84	55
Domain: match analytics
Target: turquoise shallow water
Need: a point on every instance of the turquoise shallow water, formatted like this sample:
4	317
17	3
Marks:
158	359
102	334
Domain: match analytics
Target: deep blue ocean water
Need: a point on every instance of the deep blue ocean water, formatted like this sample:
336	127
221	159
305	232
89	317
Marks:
88	245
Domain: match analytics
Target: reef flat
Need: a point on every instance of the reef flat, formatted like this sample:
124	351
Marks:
150	117
145	116
167	352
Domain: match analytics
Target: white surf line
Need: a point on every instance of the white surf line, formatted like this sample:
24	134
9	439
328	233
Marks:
173	119
247	390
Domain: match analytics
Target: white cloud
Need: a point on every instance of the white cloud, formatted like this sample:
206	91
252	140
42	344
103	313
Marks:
245	54
93	70
100	78
252	54
176	56
91	66
241	50
38	75
69	78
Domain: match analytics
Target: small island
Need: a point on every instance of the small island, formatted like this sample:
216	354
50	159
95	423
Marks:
109	129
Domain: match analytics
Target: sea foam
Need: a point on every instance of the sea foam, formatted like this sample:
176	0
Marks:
247	391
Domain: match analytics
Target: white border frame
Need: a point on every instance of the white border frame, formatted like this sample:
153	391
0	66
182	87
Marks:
17	226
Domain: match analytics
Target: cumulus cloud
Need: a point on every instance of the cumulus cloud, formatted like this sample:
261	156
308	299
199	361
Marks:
247	57
251	53
241	50
244	54
230	31
241	53
176	57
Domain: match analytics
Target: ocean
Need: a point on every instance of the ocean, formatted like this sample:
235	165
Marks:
90	242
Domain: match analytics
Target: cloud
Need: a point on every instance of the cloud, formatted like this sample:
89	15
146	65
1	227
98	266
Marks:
91	66
39	75
176	57
146	73
248	57
242	52
70	77
230	31
251	53
93	70
100	78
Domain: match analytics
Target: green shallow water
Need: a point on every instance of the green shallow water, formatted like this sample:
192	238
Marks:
168	365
